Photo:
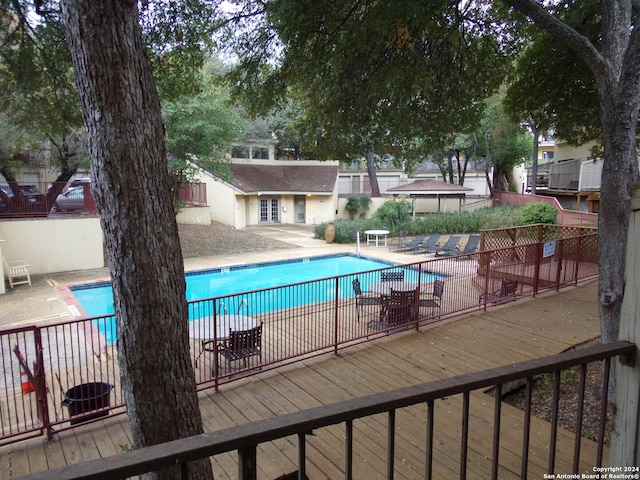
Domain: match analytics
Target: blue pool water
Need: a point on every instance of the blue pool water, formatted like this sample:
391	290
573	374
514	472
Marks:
97	299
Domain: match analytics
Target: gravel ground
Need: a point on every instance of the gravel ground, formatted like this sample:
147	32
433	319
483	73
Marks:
542	399
216	239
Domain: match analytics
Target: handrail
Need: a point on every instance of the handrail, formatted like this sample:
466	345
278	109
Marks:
245	303
246	437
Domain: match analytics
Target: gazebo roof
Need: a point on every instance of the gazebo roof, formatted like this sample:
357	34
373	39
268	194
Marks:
428	187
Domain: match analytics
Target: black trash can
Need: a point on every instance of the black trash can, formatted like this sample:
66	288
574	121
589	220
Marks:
87	398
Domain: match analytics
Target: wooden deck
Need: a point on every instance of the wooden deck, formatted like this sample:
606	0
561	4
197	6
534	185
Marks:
527	329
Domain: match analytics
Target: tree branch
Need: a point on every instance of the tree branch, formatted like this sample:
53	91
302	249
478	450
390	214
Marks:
587	51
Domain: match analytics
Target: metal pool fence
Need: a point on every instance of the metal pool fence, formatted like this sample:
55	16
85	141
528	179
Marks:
61	375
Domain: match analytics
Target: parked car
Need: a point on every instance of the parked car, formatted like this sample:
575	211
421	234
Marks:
77	182
33	201
72	199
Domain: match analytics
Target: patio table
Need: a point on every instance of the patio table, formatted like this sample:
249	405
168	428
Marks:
377	234
384	288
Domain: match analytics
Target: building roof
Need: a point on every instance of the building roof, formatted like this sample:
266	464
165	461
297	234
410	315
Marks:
302	179
429	187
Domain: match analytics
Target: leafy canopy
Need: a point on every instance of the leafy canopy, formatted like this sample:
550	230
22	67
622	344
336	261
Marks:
200	129
552	87
369	75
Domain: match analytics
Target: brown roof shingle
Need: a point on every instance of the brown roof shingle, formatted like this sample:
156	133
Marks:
319	179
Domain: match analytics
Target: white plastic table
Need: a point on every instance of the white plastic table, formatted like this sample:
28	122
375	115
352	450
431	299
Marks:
377	234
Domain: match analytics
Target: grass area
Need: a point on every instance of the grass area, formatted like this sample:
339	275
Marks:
217	239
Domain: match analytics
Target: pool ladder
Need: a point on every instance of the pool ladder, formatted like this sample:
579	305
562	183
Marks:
222	308
246	305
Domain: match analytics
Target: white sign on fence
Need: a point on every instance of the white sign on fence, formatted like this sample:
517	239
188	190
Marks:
549	249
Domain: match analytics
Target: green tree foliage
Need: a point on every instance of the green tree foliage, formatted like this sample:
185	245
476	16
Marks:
538	212
200	129
502	142
39	92
567	99
370	76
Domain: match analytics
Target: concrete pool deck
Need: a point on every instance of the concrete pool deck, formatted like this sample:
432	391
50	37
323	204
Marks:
44	301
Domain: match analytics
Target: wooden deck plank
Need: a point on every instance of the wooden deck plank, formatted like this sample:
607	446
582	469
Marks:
521	330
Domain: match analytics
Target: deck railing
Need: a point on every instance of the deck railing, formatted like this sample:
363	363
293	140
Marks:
438	456
37	199
44	365
565	216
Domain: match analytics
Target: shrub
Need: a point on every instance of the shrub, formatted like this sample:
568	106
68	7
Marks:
443	223
538	212
357	204
345	229
392	212
352	207
365	203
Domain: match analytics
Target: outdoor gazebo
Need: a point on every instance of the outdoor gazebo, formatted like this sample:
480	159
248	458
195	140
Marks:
442	191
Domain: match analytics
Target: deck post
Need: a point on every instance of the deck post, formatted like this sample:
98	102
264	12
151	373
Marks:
625	437
247	468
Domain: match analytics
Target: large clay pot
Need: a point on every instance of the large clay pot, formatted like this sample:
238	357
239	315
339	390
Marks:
330	233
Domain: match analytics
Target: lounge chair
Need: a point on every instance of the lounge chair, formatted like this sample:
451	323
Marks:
506	293
402	241
413	244
472	245
433	299
17	272
429	244
451	245
364	299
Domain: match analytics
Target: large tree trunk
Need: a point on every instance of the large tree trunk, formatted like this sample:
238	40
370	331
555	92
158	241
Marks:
534	164
371	170
619	171
131	187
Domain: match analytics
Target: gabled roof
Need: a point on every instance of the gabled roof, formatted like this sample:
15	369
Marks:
302	179
430	187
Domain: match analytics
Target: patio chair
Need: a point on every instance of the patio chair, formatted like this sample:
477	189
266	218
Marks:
396	276
241	345
399	308
451	245
364	299
402	241
471	246
433	299
17	272
413	244
506	293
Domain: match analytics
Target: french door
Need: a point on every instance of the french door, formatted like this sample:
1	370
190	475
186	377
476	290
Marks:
269	210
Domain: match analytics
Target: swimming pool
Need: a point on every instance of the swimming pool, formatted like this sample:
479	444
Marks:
97	299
